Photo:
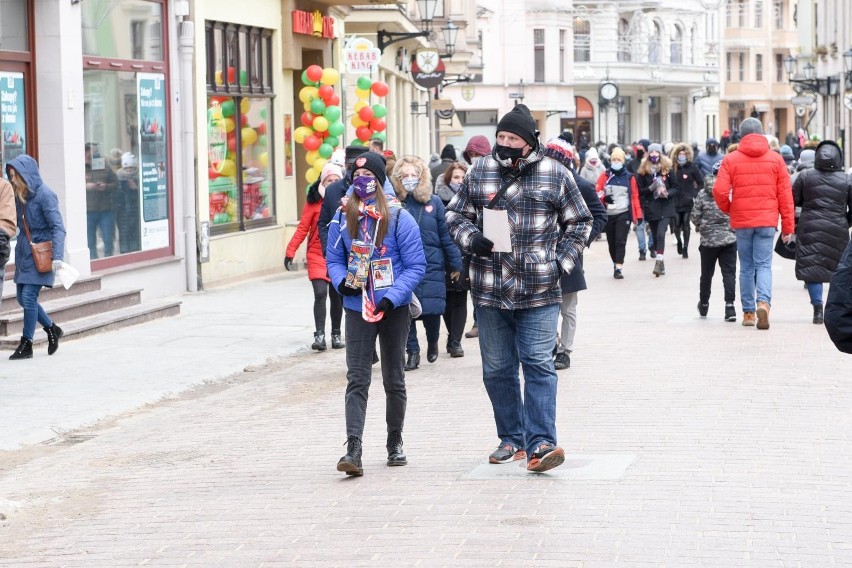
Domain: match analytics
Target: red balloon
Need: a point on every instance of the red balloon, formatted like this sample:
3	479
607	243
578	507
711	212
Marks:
325	92
212	173
232	75
261	129
366	113
334	100
314	73
244	120
378	124
363	133
313	142
324	134
308	119
380	88
232	144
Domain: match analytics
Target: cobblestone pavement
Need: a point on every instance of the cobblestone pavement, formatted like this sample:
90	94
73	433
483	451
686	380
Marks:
691	443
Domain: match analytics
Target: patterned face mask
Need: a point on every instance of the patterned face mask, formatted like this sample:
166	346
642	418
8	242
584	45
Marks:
410	184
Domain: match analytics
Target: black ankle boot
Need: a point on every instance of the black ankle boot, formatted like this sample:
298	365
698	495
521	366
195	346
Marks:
395	453
54	332
336	342
351	462
432	352
455	349
413	361
24	350
818	314
319	341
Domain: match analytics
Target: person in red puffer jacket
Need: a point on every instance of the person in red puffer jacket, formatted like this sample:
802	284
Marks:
753	188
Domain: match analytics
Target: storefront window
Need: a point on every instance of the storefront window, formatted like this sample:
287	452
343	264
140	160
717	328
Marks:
239	128
14	27
13	117
123	29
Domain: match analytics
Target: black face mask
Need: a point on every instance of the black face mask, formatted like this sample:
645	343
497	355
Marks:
712	149
508	153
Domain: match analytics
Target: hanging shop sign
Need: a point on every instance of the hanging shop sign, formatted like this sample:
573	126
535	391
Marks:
313	24
360	57
427	68
153	159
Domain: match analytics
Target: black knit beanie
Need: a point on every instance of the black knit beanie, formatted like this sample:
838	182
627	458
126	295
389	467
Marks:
373	162
519	121
448	153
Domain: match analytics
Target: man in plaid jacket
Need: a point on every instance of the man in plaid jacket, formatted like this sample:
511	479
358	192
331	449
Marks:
516	294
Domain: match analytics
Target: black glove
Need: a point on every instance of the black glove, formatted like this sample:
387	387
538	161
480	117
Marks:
288	262
481	246
608	199
384	305
347	291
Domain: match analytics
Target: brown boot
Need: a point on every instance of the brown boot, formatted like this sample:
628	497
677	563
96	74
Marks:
748	319
762	315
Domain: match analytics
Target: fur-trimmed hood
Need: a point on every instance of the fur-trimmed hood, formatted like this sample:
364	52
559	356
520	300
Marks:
682	147
423	191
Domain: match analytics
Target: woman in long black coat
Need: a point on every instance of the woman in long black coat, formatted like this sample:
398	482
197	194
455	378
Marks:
657	198
825	196
688	180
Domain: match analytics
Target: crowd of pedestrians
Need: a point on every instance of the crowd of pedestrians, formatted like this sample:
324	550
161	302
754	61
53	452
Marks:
393	240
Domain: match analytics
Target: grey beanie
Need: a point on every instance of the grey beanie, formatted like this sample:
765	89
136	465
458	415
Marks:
750	126
655	148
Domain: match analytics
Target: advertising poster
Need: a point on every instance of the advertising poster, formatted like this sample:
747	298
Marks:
153	153
12	116
288	145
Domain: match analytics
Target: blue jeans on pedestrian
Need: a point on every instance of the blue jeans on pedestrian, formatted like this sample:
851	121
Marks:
754	248
105	221
641	237
28	300
508	338
815	292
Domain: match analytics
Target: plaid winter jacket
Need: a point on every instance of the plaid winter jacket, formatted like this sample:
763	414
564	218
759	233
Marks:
543	200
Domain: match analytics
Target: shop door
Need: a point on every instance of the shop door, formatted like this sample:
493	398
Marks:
582	124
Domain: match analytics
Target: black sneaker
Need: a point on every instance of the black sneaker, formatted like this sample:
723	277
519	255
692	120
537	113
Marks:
616	273
730	313
702	309
642	255
563	361
546	457
506	453
653	253
351	462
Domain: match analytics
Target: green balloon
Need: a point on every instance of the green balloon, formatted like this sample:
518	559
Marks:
243	77
332	113
317	107
336	129
228	108
380	111
262	141
357	142
307	189
263	113
381	136
333	141
305	81
364	82
325	150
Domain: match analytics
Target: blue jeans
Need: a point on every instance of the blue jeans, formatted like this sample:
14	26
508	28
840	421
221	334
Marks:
105	221
641	237
28	300
815	292
754	248
509	337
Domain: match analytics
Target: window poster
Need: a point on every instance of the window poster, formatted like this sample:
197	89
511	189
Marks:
153	160
288	145
12	116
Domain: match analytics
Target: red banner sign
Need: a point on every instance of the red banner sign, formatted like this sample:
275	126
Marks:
313	24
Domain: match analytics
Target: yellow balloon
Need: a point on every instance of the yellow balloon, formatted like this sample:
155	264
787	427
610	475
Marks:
362	93
249	136
218	77
311	157
307	93
356	121
320	124
307	107
359	105
227	168
311	175
263	158
229	125
245	106
319	164
300	134
330	76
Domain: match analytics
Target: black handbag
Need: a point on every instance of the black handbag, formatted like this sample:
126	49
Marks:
786	250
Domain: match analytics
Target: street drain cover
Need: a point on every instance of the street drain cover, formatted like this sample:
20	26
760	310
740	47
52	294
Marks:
577	467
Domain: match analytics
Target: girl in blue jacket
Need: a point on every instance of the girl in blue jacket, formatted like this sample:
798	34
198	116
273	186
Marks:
393	255
38	207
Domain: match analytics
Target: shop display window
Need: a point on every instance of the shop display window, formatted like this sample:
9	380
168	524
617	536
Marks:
123	29
14	26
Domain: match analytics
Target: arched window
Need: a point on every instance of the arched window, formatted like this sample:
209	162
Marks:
654	44
676	47
624	42
582	39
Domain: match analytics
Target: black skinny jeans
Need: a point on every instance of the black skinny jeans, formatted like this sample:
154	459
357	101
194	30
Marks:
323	289
727	258
658	231
617	228
455	314
392	332
681	226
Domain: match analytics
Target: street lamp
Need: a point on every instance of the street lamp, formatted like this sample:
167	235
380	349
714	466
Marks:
427	14
451	30
808	83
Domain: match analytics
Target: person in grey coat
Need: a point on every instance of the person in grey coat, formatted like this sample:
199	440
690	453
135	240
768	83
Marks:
718	244
38	208
822	233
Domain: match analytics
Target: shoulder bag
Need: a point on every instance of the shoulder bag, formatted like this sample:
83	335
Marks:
42	252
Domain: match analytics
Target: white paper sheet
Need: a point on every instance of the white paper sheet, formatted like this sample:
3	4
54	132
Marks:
495	227
67	275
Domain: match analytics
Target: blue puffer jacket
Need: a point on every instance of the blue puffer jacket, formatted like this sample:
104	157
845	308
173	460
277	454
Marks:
44	220
442	254
401	245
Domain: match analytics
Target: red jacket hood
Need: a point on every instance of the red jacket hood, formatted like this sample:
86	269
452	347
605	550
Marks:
754	145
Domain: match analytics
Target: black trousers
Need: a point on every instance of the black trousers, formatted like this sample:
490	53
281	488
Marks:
617	228
323	290
658	231
392	332
455	314
726	256
681	227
